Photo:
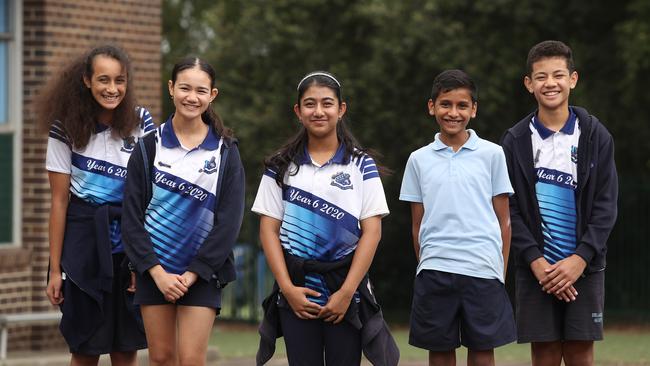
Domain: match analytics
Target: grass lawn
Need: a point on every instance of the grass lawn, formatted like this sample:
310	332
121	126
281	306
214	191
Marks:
621	347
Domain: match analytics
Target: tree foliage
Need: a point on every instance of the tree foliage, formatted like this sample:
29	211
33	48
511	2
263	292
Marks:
386	53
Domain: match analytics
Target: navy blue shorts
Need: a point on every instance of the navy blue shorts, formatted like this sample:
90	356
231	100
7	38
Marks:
201	293
452	309
541	317
121	328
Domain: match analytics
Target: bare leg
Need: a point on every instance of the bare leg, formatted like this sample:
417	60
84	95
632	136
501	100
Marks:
444	358
480	358
194	329
124	358
160	328
546	353
83	360
578	353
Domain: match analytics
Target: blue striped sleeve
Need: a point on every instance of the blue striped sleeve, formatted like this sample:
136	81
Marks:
146	120
57	131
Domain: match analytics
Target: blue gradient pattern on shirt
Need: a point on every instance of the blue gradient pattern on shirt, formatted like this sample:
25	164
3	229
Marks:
314	228
555	194
96	181
178	221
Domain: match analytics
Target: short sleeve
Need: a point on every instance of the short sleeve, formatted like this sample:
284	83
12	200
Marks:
374	199
411	190
59	152
146	120
500	179
268	201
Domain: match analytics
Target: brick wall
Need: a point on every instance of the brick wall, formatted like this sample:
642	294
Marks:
54	31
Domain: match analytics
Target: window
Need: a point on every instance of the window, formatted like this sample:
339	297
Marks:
10	115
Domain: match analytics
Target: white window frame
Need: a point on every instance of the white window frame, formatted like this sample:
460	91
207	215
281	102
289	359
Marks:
15	113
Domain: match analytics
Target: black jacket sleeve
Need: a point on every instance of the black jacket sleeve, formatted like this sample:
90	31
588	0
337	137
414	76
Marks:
603	202
137	243
523	241
219	243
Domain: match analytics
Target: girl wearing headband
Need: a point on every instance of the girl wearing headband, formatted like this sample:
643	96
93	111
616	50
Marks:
321	202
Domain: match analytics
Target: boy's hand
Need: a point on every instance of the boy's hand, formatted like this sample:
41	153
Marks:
336	307
563	274
301	306
539	268
567	295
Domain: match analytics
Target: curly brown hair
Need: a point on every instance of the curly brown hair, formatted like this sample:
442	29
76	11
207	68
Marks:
67	99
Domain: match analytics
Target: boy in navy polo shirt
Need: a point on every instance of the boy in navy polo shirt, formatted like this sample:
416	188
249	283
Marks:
458	188
561	164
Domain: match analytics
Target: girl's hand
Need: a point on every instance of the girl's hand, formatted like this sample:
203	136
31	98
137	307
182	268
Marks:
301	306
53	289
171	285
189	278
131	287
336	307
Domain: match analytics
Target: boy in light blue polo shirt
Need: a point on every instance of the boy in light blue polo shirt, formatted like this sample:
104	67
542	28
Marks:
458	187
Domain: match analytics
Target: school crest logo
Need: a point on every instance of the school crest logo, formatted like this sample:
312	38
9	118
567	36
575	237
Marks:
341	180
128	144
574	154
210	166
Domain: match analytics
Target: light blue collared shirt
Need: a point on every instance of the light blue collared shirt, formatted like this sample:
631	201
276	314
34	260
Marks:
460	231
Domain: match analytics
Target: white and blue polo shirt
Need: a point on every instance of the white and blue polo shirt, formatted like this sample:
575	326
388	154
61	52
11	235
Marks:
181	211
556	166
321	208
97	171
460	231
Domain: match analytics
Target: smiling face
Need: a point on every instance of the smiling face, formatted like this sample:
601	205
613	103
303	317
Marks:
192	93
551	82
319	111
453	109
107	83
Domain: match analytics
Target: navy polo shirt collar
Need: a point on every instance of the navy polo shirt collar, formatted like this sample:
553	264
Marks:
170	141
568	128
100	127
338	158
471	143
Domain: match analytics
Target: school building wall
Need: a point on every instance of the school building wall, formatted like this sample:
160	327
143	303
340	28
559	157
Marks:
53	31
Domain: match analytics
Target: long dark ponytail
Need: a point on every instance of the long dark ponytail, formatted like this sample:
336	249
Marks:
209	116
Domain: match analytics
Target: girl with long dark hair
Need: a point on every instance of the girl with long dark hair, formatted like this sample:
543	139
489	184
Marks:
321	202
93	124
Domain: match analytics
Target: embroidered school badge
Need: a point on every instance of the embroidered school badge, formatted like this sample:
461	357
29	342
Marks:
128	144
209	167
341	180
574	154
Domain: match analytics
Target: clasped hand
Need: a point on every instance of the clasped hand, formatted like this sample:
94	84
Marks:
558	278
174	286
334	311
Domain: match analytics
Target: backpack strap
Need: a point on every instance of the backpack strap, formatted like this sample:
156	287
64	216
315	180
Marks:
148	150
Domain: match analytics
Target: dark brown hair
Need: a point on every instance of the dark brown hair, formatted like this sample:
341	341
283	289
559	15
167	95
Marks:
548	49
67	99
294	149
209	116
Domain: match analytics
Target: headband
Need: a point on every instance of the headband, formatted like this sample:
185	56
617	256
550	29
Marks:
318	73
